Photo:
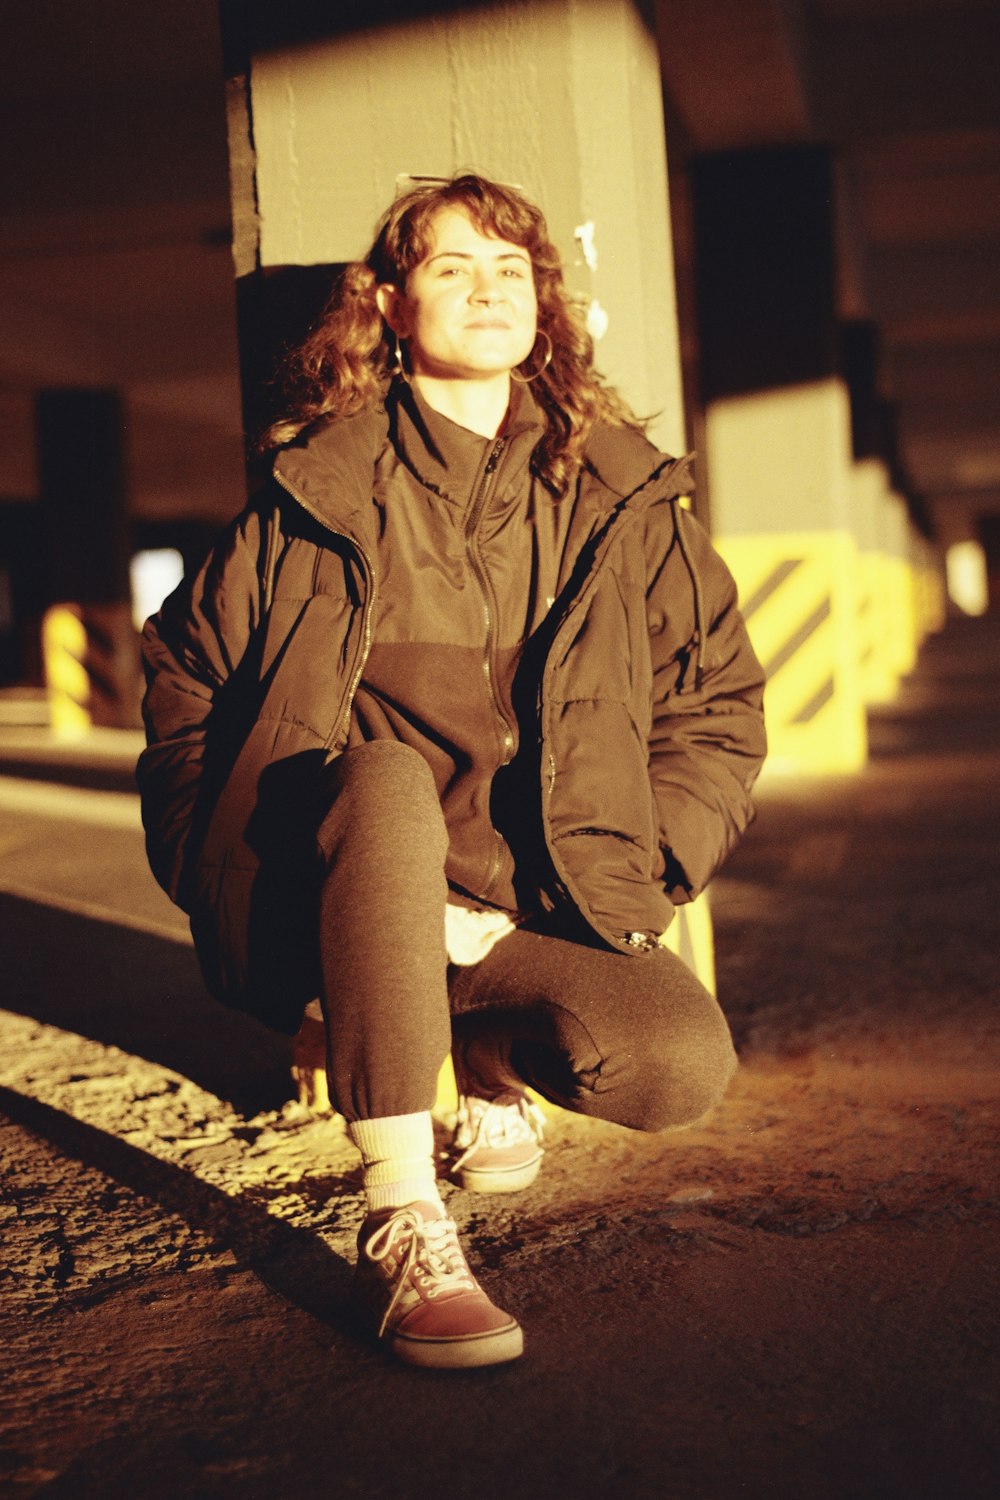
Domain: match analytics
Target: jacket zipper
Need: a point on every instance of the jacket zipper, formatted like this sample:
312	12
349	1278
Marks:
369	604
506	736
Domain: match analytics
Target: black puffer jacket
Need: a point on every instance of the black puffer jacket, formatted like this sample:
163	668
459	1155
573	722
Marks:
649	727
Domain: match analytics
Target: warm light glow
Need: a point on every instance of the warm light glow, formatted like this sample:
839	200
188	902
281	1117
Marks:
153	575
966	571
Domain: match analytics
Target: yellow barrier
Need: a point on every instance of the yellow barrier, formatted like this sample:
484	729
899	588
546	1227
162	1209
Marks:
902	628
92	670
64	652
931	591
690	935
879	676
798	594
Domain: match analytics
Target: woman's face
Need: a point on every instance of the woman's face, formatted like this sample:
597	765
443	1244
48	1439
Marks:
468	311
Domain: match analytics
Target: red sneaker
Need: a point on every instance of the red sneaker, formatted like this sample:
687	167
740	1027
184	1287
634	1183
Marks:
414	1284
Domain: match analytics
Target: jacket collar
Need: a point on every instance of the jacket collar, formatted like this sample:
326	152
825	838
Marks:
446	457
329	468
627	464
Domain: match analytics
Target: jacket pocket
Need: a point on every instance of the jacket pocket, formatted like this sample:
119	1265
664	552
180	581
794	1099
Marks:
600	817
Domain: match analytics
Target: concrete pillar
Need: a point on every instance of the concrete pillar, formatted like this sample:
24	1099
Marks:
988	536
561	97
778	439
899	587
870	492
879	624
89	643
931	584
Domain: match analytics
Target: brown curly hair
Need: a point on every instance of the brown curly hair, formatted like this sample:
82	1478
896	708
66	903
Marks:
343	365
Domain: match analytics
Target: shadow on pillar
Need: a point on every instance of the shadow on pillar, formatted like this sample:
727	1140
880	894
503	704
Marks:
276	307
778	439
92	667
765	269
988	528
250	26
22	585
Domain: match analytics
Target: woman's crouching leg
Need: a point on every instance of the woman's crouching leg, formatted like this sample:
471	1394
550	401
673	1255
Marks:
633	1039
383	963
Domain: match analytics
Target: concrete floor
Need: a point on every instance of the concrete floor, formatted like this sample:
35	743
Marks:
795	1299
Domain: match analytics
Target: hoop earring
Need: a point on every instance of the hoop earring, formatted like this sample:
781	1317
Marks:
527	379
397	366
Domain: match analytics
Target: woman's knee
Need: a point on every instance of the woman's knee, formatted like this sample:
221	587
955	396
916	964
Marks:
673	1060
645	1080
677	1088
383	770
637	1041
384	791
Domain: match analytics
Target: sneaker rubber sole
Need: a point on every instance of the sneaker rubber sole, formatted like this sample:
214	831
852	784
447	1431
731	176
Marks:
498	1179
495	1348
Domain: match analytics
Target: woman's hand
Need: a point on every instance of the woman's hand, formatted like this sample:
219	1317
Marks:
469	935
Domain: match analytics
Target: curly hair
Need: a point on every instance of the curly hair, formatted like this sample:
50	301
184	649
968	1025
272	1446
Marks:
343	365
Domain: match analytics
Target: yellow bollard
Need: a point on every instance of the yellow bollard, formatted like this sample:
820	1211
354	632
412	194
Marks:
64	652
691	937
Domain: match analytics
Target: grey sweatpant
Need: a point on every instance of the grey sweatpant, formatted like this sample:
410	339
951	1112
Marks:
631	1038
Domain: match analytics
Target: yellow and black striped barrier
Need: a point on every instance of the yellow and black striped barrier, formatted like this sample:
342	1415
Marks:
92	671
64	652
799	595
876	665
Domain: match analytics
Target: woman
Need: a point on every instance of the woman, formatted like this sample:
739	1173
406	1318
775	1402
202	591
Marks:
451	717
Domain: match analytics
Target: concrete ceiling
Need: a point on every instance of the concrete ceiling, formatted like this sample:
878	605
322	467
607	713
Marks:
906	92
115	266
911	94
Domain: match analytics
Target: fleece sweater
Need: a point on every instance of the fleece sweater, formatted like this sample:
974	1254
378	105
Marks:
469	551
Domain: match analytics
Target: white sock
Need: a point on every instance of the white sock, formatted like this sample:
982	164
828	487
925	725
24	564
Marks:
398	1156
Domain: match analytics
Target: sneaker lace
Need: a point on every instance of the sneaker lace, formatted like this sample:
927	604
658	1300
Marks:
429	1252
510	1120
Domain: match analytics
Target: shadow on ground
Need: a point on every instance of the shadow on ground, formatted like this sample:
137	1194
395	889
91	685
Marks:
141	993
